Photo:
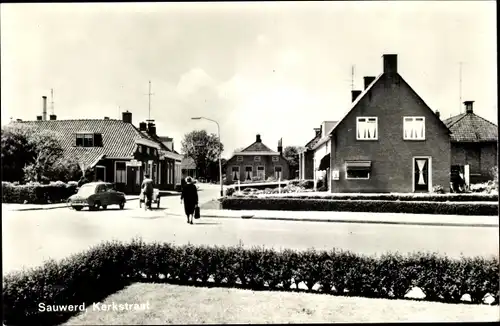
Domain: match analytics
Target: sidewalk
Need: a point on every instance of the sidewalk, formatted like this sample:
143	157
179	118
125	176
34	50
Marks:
354	217
34	207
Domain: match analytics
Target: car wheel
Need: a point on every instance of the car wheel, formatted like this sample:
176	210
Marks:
122	205
77	208
104	206
95	207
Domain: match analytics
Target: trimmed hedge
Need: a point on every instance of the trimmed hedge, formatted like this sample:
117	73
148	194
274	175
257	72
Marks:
91	276
378	206
402	197
37	193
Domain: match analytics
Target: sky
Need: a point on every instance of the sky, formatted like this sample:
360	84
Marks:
277	69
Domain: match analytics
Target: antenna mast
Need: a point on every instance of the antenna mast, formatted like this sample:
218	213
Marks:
149	104
352	77
52	100
460	83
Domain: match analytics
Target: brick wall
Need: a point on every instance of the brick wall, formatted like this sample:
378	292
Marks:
265	160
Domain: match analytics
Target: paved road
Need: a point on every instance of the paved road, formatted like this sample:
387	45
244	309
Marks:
30	237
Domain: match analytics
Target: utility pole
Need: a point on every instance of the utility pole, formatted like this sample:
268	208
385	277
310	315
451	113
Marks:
149	103
52	100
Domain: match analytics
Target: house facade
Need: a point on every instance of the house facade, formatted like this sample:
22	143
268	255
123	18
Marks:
306	157
388	141
474	142
257	162
114	150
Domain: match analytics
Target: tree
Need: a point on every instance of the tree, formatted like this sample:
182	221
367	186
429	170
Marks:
291	153
203	148
16	149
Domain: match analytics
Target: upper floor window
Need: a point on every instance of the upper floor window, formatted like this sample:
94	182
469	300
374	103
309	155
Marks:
239	158
367	128
88	140
256	158
414	128
276	158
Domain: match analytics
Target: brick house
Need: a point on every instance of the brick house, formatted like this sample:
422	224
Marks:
257	162
388	141
474	142
108	148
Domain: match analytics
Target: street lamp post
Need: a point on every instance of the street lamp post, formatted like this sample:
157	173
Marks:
220	160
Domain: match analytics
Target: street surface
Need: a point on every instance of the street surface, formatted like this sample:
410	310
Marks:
30	237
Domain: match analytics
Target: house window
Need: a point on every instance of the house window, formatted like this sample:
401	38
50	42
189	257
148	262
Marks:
235	172
248	172
278	172
144	150
358	170
276	158
367	128
120	172
256	158
138	176
239	158
261	172
414	128
85	140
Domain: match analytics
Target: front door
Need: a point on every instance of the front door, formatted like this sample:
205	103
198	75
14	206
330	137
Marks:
421	174
100	173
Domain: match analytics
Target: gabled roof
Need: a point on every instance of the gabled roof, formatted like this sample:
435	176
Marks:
471	128
323	140
119	138
164	151
312	142
257	147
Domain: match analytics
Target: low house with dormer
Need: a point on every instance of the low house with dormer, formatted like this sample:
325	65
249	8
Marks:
388	141
257	162
114	150
474	142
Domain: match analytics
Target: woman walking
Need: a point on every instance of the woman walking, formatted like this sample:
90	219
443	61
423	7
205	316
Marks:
190	197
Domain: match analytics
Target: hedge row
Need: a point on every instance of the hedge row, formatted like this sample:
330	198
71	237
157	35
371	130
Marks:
37	193
378	206
404	197
91	276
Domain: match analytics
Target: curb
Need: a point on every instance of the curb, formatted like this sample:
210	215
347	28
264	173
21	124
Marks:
357	221
49	208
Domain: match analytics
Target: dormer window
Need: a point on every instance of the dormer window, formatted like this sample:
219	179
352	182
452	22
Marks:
88	140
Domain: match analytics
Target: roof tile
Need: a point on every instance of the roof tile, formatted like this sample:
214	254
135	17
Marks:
469	127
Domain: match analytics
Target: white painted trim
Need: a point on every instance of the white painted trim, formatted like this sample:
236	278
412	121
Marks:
346	176
429	174
258	166
274	168
239	172
159	173
257	158
276	158
245	170
104	167
357	122
404	124
239	158
114	171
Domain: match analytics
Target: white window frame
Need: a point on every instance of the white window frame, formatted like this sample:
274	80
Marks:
357	127
138	176
114	172
239	158
413	121
347	176
276	158
281	167
256	158
102	166
232	172
264	169
251	172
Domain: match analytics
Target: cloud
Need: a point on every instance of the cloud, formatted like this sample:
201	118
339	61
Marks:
194	80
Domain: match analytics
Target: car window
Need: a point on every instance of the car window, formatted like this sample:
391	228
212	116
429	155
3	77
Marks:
101	188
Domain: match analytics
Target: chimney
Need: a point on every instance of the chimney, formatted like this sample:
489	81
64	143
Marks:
355	95
257	139
19	120
468	107
317	131
53	117
280	146
142	126
438	114
39	118
368	80
151	128
390	63
44	112
127	117
106	118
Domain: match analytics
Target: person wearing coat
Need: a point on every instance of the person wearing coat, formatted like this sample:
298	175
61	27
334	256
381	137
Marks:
190	197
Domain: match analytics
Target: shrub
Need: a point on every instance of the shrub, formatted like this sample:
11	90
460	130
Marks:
438	189
230	191
36	193
379	206
475	197
306	184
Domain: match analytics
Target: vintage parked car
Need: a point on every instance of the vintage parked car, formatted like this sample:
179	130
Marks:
95	195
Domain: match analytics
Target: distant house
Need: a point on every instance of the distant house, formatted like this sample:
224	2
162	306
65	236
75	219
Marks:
257	162
115	150
388	141
474	142
188	167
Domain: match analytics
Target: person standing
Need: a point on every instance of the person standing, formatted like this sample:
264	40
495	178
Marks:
147	189
190	197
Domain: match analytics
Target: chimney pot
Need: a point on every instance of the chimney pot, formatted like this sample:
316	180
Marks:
390	63
438	114
355	94
127	117
39	118
468	106
317	131
142	126
151	128
53	117
44	109
257	138
368	80
19	120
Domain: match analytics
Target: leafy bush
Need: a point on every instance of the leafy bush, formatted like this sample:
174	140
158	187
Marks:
36	193
452	197
306	184
438	189
91	276
378	206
